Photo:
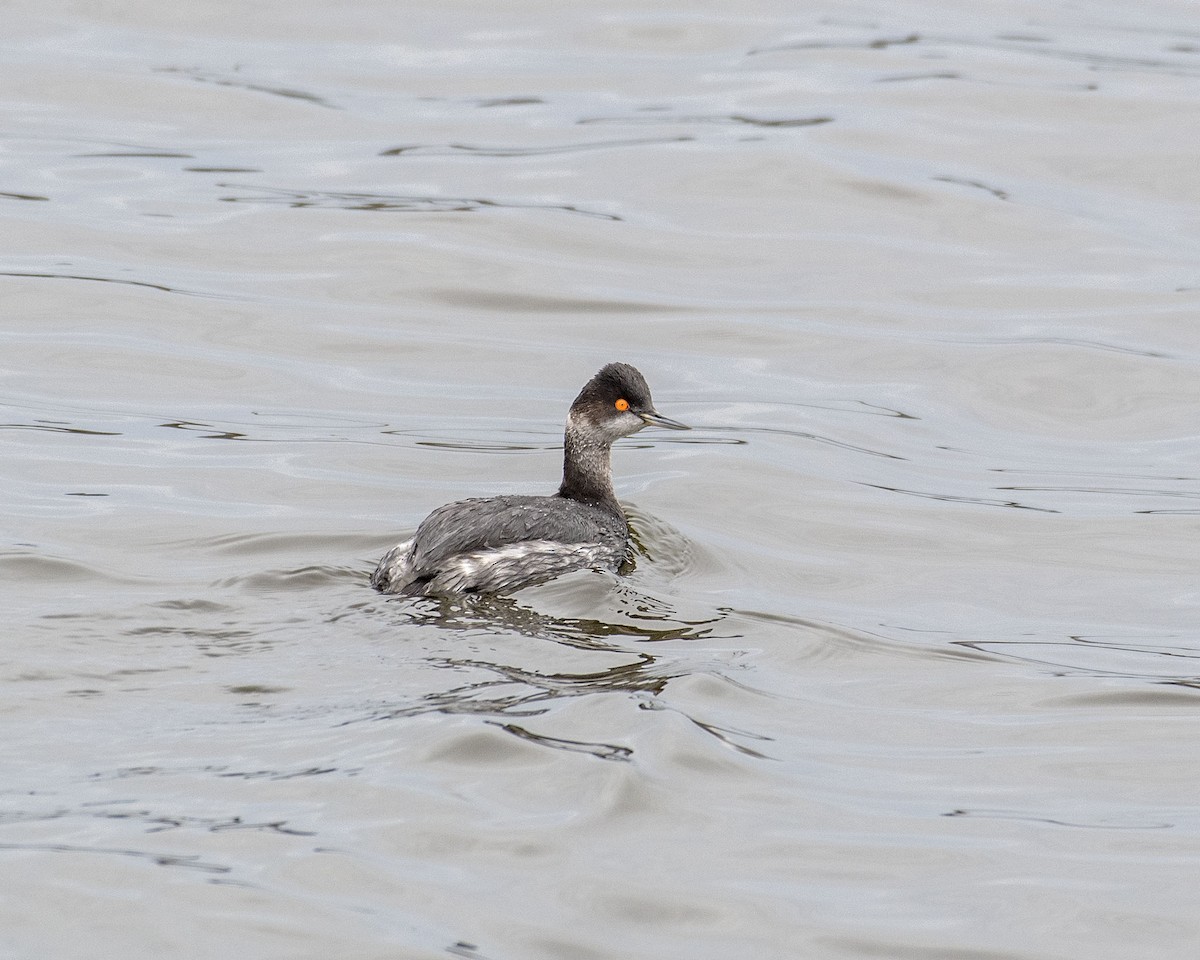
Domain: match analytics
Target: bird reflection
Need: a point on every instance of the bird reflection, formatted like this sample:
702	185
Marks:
510	691
648	620
643	673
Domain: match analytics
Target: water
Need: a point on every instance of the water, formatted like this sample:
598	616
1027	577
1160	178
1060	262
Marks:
908	665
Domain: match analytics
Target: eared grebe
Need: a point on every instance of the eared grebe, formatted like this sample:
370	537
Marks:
499	544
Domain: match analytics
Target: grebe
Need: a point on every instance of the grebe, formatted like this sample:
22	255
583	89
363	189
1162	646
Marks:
501	544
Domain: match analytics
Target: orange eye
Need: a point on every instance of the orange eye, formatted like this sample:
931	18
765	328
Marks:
622	404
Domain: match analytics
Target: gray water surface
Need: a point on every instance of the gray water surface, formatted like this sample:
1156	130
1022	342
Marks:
908	667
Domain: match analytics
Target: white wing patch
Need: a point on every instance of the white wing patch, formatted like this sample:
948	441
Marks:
518	565
490	571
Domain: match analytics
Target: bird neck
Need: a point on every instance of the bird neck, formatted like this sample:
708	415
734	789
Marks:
587	467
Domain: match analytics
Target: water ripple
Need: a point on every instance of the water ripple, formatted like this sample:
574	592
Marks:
389	203
1106	824
958	498
190	861
727	118
459	149
1031	46
289	93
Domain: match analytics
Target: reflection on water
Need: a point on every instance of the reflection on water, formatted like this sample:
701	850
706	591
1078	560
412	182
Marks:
634	618
523	690
507	614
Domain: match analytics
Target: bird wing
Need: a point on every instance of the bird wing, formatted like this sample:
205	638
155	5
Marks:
469	526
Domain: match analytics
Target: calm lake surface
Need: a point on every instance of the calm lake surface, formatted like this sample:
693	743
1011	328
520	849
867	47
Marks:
909	666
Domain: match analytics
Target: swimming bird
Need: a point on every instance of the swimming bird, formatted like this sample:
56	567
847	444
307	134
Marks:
501	544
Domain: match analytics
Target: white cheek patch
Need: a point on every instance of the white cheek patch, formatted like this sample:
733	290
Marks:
611	428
